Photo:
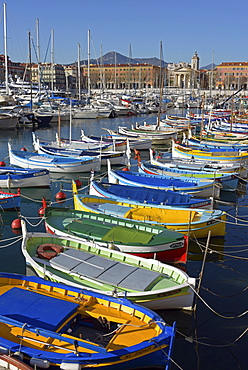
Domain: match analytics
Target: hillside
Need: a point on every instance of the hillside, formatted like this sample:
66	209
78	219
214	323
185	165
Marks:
117	58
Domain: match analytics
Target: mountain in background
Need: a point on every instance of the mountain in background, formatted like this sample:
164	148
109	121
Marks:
113	57
209	67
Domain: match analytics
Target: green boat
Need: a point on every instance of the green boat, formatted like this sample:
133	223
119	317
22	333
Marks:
145	281
126	235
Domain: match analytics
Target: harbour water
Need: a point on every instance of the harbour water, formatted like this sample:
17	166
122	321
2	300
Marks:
214	335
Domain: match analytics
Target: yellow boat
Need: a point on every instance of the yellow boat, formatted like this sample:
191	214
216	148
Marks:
193	222
57	325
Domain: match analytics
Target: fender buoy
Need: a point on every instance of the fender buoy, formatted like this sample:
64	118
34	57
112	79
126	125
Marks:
78	183
125	169
24	149
16	224
48	250
41	211
60	196
2	164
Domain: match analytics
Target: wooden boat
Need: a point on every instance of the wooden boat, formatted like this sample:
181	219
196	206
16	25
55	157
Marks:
146	281
53	324
198	166
69	144
207	144
139	144
10	201
12	177
147	195
180	151
13	362
144	133
224	135
225	181
60	164
115	157
119	145
204	189
111	232
164	159
193	222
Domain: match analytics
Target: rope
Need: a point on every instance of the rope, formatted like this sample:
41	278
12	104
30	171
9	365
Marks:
190	339
215	312
17	239
166	354
33	225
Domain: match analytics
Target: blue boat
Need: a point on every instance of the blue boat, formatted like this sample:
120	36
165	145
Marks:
53	324
118	158
26	159
205	144
203	189
147	195
13	177
10	201
227	182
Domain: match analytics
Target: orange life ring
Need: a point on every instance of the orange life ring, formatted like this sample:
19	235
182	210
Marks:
49	250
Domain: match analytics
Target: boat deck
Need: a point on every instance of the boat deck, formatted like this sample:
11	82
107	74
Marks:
105	270
108	233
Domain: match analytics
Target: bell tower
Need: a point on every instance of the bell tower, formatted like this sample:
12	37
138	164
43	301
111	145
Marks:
195	61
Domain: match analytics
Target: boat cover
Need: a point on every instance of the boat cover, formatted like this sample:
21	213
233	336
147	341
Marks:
150	195
154	180
106	270
170	216
35	309
108	233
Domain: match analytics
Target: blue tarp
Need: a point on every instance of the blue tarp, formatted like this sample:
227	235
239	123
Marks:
35	309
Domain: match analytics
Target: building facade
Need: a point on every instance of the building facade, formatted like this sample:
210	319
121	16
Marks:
227	75
123	76
184	75
14	69
231	75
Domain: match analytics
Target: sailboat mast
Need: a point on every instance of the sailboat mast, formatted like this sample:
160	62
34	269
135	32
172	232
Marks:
38	50
79	74
30	69
160	86
52	59
5	50
88	62
115	73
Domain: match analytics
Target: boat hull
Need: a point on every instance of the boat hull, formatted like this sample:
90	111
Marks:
171	252
200	190
11	177
61	165
175	295
59	313
177	219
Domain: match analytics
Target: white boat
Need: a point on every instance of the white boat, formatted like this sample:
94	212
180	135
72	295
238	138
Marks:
146	281
8	121
25	159
11	177
139	144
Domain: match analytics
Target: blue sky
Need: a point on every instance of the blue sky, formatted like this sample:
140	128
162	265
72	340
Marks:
216	29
